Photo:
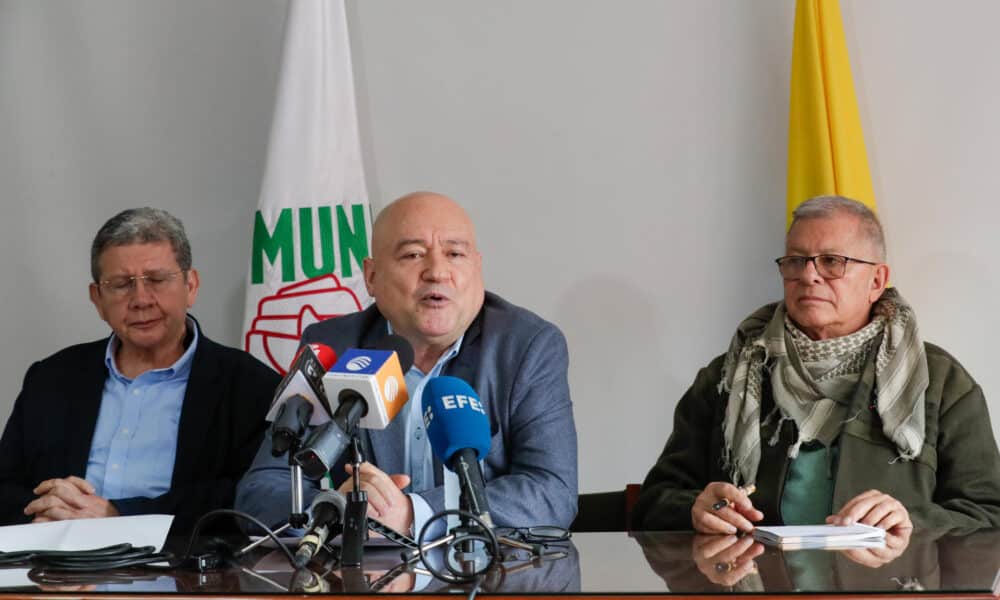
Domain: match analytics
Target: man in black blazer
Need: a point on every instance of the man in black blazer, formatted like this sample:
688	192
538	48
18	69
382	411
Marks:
156	419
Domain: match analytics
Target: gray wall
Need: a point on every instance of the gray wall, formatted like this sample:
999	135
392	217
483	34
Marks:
625	162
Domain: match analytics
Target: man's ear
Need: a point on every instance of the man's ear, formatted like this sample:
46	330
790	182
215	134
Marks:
95	299
368	265
880	281
193	282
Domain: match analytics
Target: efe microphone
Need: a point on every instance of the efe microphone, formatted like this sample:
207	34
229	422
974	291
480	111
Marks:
459	432
370	390
327	510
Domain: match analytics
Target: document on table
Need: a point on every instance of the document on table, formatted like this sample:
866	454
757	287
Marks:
86	534
80	534
821	536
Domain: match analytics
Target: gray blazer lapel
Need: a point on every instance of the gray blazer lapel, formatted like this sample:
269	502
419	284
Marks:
386	447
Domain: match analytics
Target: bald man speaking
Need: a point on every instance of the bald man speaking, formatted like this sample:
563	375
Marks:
425	275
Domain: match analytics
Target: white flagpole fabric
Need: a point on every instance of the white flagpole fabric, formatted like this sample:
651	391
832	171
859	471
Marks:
312	228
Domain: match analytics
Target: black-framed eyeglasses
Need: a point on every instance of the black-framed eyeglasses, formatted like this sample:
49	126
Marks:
542	534
829	266
123	285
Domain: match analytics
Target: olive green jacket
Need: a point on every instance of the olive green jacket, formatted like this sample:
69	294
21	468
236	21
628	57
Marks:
954	482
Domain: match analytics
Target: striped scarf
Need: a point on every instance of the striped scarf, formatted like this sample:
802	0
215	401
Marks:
761	342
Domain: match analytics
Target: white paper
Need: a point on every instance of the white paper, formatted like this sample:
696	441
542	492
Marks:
80	534
86	534
822	536
10	578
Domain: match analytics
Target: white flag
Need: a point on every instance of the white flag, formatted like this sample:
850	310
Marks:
312	229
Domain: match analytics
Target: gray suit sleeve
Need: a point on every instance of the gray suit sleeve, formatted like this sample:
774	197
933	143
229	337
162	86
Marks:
532	474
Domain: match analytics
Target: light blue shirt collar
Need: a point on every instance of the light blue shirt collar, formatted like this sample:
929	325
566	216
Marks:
448	354
180	368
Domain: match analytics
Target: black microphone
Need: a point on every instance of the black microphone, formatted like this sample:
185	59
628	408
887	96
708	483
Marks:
370	389
290	423
327	510
297	396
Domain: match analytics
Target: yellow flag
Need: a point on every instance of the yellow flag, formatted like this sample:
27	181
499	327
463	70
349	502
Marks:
826	146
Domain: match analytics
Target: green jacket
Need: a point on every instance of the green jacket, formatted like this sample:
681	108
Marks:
954	482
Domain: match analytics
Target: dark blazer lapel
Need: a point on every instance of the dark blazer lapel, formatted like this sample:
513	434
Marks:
465	365
201	398
84	407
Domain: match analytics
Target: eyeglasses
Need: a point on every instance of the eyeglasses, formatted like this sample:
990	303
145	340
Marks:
540	535
154	282
829	266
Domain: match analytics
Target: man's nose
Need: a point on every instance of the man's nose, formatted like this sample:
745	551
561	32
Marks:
436	267
139	294
810	274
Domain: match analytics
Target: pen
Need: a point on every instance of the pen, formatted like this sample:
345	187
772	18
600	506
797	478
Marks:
746	489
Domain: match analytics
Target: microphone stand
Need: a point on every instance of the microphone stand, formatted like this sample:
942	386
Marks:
466	548
466	555
298	517
356	515
356	521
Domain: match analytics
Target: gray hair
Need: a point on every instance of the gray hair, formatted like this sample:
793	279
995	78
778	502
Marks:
825	207
141	226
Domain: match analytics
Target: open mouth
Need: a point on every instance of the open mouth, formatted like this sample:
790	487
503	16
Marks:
434	300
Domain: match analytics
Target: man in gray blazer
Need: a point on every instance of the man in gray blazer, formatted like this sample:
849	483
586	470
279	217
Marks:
425	275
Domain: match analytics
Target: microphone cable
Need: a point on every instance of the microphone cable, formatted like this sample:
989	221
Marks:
123	556
118	556
214	559
483	535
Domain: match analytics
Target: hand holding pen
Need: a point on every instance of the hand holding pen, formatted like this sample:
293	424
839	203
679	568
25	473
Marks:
724	508
746	489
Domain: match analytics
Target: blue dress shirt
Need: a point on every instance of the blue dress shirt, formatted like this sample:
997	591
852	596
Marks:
417	453
134	446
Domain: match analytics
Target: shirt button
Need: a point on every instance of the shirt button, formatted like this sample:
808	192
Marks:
124	431
135	392
115	466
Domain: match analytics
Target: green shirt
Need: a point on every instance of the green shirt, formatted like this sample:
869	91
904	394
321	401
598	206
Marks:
807	498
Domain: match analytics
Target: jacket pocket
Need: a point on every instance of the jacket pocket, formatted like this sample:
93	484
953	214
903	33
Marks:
866	432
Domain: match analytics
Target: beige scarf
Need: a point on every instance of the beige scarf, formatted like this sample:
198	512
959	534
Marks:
761	341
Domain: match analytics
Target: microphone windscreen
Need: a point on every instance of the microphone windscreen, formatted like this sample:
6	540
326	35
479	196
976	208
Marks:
455	418
399	345
333	498
324	354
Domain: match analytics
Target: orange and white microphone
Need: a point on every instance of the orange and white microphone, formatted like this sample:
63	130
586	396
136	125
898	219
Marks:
370	391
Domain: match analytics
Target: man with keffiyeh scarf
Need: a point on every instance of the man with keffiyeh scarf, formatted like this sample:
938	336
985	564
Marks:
830	404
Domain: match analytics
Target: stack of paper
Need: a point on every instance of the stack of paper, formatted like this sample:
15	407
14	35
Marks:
821	536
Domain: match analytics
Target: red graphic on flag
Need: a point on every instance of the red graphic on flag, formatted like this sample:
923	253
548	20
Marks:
275	331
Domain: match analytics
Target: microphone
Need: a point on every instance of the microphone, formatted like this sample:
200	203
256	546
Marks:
290	423
370	391
298	395
371	381
459	432
327	510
